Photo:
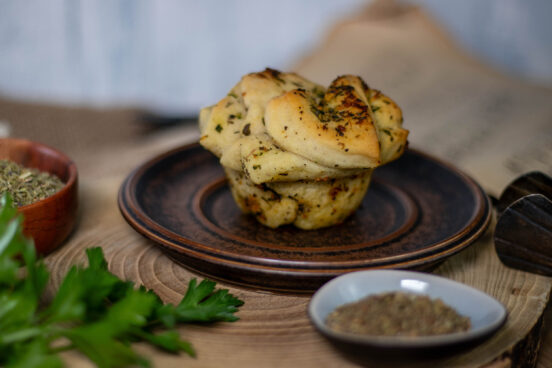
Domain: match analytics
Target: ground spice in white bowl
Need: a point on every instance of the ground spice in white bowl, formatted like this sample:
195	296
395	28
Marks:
397	314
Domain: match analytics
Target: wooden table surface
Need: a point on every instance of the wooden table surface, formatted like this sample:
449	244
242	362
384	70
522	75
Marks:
274	330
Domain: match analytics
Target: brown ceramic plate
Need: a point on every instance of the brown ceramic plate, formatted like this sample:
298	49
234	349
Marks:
417	212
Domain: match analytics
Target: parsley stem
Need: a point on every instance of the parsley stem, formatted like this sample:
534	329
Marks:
20	335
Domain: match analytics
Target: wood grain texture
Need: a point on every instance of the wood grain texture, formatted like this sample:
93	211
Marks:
274	330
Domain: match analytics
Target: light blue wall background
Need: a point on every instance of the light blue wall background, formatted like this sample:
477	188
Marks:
174	56
513	35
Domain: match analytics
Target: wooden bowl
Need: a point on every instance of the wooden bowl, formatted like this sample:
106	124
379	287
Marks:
51	220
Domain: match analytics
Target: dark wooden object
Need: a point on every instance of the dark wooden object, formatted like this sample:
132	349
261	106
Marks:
417	212
530	183
523	235
52	219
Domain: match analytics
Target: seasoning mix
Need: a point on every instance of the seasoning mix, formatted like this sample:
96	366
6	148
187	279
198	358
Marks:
27	185
397	314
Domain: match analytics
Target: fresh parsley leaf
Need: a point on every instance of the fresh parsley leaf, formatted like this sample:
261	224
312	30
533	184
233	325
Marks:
93	310
96	342
168	340
96	259
102	341
202	304
36	355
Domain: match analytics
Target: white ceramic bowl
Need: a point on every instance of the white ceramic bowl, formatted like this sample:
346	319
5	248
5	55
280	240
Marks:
486	313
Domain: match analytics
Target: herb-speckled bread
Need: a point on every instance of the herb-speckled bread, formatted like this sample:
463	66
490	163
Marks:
296	153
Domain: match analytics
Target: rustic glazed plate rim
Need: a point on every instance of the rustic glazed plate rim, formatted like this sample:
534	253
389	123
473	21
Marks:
410	209
184	248
480	219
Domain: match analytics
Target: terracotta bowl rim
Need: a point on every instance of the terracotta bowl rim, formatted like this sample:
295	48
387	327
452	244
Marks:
71	168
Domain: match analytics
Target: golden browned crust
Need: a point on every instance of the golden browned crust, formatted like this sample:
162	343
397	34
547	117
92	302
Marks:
305	204
337	131
280	133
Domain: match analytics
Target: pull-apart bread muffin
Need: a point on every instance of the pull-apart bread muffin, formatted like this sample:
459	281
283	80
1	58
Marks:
297	153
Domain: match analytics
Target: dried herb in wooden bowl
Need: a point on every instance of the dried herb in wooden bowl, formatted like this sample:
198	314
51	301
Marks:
27	185
397	314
